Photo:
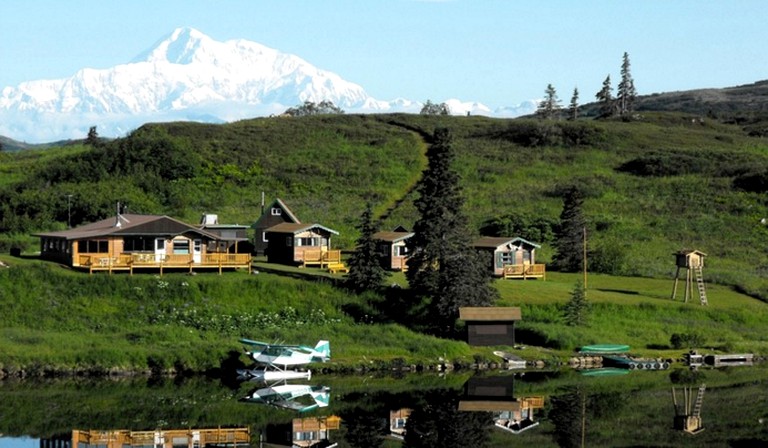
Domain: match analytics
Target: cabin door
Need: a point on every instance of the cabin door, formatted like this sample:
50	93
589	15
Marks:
197	251
159	250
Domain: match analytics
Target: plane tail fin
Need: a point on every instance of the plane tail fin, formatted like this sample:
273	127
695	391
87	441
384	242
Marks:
323	351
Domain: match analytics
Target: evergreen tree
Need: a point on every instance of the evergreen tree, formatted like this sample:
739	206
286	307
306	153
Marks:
93	136
365	270
573	108
576	311
443	268
549	107
626	94
605	98
569	238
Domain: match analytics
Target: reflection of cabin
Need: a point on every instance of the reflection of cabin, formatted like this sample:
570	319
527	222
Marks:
489	325
688	413
392	248
168	438
127	242
693	262
511	257
495	394
303	432
276	213
397	421
301	244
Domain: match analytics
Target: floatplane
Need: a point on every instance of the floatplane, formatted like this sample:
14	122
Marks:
289	396
275	359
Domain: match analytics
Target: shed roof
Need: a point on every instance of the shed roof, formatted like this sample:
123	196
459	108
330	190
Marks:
489	313
295	228
492	242
687	252
392	237
129	225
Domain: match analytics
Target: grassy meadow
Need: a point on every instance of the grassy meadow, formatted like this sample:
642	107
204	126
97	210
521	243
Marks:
653	186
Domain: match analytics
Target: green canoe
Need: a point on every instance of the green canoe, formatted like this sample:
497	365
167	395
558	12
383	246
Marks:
604	348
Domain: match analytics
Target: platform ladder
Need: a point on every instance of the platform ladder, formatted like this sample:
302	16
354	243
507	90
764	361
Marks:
700	284
699	401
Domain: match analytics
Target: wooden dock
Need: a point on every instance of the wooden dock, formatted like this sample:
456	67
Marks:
741	359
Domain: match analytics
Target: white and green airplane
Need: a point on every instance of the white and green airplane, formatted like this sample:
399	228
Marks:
276	355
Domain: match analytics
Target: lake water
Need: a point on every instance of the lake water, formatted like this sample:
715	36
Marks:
725	407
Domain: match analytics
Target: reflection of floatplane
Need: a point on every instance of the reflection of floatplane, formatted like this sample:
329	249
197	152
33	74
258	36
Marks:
291	396
274	360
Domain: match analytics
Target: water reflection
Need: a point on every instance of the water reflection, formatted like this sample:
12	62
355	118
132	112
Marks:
542	409
169	438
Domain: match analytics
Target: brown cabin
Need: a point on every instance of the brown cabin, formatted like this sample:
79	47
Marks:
489	325
276	213
392	248
130	241
511	257
296	244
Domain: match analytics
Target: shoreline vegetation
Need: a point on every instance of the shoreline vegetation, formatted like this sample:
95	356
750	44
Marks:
59	322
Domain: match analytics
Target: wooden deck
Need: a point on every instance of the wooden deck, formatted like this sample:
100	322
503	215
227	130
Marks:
198	438
129	262
525	271
324	259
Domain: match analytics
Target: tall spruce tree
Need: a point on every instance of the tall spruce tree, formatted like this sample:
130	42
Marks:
443	268
549	107
605	98
625	96
365	270
569	238
573	108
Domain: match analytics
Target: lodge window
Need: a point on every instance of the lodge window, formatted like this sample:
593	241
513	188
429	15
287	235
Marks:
138	244
92	246
276	211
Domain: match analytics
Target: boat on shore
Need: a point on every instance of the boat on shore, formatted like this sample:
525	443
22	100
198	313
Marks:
604	348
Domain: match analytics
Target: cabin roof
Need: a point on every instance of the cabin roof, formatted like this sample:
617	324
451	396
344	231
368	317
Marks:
492	242
392	236
295	228
129	225
280	204
687	252
490	313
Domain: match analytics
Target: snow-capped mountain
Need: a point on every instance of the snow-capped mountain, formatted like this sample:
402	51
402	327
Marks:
185	76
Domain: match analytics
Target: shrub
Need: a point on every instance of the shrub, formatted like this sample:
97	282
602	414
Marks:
752	182
686	340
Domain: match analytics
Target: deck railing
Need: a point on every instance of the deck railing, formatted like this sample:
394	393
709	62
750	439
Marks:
525	271
129	261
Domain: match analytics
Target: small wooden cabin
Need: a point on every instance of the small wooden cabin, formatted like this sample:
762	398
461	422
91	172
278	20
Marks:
392	248
689	258
294	243
489	325
276	213
507	251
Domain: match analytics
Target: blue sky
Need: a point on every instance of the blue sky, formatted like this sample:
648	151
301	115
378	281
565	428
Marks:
498	52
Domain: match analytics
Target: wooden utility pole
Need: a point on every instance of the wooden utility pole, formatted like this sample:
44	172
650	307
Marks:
585	257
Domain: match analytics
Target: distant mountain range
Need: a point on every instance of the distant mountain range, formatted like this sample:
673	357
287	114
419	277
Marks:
189	76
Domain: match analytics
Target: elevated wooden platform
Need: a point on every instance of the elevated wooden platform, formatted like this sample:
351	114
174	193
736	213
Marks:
525	271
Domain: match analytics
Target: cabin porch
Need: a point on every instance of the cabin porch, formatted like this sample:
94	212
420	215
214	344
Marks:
129	261
525	271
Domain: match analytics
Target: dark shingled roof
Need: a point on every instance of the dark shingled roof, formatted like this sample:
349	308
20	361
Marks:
128	225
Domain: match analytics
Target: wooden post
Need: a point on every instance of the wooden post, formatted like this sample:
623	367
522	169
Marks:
674	289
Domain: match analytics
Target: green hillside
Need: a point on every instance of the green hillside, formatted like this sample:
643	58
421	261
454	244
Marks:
654	185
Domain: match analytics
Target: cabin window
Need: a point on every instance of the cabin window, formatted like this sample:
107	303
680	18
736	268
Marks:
384	249
277	211
308	242
92	246
264	237
181	247
401	251
505	258
289	241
